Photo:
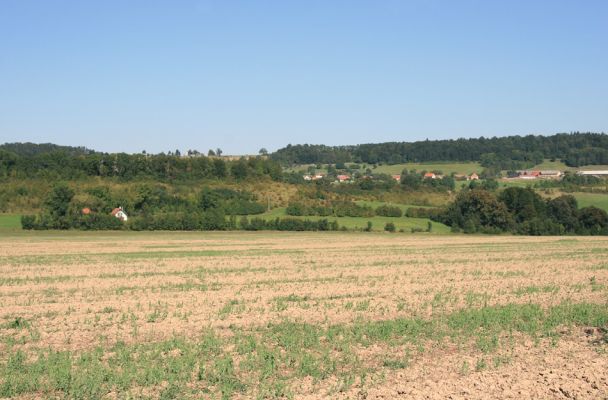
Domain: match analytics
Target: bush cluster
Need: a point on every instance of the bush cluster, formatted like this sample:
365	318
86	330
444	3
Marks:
336	209
287	224
522	211
389	211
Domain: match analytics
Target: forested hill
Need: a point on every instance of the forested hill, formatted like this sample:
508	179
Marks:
574	148
34	149
64	165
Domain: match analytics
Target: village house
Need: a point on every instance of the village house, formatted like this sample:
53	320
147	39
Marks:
307	177
473	177
397	178
316	177
430	175
343	178
120	214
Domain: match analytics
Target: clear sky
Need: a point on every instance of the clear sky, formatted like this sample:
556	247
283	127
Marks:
131	75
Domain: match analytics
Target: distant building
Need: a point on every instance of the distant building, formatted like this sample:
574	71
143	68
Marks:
120	214
307	177
547	174
473	177
550	174
343	178
397	178
597	173
529	174
86	211
430	175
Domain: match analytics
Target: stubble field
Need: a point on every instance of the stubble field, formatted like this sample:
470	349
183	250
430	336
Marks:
302	315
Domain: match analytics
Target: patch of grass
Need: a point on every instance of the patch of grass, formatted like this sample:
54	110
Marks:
360	223
274	354
17	323
599	200
10	222
230	307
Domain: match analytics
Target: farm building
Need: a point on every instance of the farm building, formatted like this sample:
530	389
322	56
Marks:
551	174
473	177
397	178
548	174
597	173
120	214
343	178
529	174
430	175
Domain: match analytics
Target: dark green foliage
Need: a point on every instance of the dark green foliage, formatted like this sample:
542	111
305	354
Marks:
230	201
478	211
512	152
58	201
389	227
57	162
288	224
214	220
28	222
523	204
424	212
593	221
564	210
389	211
522	211
324	209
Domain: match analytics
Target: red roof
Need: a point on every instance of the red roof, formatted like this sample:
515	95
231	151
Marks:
86	211
115	211
429	175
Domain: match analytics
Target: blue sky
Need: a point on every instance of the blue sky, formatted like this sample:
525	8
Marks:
240	75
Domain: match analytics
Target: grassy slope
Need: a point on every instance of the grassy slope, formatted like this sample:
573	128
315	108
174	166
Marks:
10	222
446	168
378	223
599	200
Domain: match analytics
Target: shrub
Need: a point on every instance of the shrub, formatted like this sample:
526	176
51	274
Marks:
28	222
389	211
389	227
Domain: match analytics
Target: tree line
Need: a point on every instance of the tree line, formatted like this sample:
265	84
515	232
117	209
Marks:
511	152
62	164
521	211
152	207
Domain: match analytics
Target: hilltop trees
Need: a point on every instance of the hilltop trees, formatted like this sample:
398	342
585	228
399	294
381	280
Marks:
59	165
510	153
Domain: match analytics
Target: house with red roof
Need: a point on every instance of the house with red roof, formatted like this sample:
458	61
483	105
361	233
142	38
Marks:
120	214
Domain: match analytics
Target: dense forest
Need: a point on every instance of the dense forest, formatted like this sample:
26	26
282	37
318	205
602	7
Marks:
48	162
509	152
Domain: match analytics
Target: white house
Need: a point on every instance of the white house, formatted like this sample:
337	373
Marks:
120	214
